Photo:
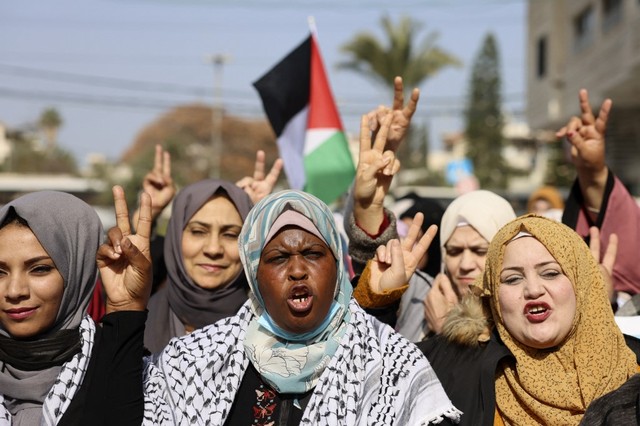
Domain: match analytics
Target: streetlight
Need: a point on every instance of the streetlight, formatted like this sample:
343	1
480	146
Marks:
218	60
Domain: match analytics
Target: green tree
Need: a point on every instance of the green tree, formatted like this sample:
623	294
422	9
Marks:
484	120
27	159
50	122
419	146
560	171
398	54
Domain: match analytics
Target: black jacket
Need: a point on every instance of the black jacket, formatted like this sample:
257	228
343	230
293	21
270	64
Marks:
111	392
468	375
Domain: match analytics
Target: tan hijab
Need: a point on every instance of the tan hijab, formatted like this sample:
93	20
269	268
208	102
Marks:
555	386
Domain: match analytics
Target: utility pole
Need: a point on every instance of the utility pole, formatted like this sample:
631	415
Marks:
218	61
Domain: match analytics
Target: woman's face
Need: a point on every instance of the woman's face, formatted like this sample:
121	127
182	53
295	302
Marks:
210	244
537	301
297	278
31	287
465	253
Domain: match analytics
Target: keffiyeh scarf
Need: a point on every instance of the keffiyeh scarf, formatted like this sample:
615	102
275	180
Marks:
67	383
306	355
375	377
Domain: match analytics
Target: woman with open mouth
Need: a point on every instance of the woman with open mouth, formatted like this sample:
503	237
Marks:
554	347
301	350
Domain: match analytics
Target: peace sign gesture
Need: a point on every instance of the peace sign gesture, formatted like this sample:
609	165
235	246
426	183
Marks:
158	183
374	174
125	260
395	263
259	186
401	115
586	135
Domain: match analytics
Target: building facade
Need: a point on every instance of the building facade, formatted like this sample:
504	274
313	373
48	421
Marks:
591	44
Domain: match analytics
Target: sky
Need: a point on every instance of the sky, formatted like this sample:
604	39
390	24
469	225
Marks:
111	67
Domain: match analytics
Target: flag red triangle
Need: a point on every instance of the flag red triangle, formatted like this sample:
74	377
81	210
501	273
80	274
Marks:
323	112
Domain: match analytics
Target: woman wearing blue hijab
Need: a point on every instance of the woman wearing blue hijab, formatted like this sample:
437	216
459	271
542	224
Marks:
300	350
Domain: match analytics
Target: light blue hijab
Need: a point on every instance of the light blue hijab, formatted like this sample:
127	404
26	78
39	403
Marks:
292	363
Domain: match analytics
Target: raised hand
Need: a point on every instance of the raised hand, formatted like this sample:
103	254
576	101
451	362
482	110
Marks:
395	263
439	301
259	186
586	135
158	183
124	260
374	174
607	261
401	115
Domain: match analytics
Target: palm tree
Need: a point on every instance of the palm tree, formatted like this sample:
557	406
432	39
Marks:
381	63
50	121
398	55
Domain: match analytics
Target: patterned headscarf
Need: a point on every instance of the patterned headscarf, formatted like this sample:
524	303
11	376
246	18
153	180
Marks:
70	231
555	386
183	300
361	371
309	353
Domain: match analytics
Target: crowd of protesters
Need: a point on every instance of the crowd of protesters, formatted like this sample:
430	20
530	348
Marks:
255	309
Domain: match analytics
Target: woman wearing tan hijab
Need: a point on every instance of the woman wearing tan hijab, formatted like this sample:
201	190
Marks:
554	346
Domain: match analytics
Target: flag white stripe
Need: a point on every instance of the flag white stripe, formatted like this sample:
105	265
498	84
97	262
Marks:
291	147
316	137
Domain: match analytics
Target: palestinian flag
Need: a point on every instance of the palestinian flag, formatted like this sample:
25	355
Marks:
297	99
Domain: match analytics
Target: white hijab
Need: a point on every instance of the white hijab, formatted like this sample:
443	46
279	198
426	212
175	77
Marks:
484	210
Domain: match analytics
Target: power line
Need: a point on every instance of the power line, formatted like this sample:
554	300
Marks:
347	111
163	87
84	99
109	82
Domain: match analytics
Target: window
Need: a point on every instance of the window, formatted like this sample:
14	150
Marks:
583	28
541	68
611	13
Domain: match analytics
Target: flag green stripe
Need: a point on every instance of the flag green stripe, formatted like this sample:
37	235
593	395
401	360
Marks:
329	169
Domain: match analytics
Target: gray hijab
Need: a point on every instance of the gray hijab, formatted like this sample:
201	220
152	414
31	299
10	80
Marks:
181	299
70	231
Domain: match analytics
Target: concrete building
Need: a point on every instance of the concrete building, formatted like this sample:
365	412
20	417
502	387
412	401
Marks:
13	185
591	44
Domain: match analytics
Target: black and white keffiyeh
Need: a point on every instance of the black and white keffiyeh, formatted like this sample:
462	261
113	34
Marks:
375	377
67	383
